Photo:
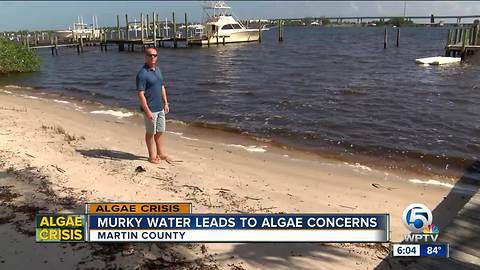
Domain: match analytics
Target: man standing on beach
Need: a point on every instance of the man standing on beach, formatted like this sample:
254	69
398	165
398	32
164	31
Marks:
154	105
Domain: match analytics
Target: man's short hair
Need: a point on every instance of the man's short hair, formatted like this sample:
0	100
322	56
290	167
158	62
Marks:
149	49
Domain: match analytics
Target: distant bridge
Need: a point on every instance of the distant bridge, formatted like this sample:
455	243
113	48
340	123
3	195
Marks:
382	18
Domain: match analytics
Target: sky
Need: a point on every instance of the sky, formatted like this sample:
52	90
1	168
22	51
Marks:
38	15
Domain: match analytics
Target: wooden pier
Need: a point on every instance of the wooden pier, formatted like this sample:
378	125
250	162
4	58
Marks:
150	31
157	33
54	43
457	217
151	34
463	41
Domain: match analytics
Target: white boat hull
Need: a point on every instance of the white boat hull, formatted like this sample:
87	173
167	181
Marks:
69	34
438	60
64	34
244	36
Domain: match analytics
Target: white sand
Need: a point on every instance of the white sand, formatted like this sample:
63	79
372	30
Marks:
93	158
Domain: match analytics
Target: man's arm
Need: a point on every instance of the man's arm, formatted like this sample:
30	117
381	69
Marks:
143	103
141	85
165	100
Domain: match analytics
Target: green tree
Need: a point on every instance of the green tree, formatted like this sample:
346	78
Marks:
400	21
325	21
17	58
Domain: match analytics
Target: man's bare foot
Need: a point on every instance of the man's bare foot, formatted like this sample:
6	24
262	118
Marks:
165	157
153	160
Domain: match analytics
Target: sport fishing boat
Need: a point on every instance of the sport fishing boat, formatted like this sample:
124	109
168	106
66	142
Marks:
81	30
220	24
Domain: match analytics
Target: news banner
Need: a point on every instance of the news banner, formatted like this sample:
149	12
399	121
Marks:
175	222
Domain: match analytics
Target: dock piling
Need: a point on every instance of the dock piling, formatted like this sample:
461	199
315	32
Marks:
158	26
278	26
51	43
141	26
56	45
126	26
186	31
449	38
154	31
105	40
464	43
449	42
174	28
148	27
475	35
280	30
385	38
100	38
398	37
118	27
81	44
462	35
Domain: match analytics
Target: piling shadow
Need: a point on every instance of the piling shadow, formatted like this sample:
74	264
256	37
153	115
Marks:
443	215
467	187
287	255
109	154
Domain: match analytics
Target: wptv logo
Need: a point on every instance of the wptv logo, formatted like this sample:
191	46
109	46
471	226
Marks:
418	219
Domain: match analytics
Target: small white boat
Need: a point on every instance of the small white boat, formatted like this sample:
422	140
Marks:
438	60
196	30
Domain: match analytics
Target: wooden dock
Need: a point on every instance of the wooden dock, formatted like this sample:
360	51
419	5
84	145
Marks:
151	34
463	41
157	33
458	219
150	31
462	233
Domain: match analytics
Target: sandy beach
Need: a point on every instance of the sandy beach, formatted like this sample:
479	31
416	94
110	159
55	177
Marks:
55	155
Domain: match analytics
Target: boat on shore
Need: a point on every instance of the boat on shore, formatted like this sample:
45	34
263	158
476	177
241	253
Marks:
221	26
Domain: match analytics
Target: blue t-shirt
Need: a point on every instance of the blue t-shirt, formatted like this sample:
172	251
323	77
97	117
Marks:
151	82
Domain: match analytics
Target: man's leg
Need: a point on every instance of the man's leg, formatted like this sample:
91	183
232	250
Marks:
159	145
152	155
150	126
160	129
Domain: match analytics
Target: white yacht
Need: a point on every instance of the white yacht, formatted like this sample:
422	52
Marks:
81	30
220	23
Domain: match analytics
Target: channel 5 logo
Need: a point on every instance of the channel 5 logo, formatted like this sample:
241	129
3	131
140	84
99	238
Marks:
417	217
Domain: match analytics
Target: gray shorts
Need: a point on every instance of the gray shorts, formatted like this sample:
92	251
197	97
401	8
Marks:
157	124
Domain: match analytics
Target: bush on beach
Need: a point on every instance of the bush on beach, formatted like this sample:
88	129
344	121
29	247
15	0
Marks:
17	58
